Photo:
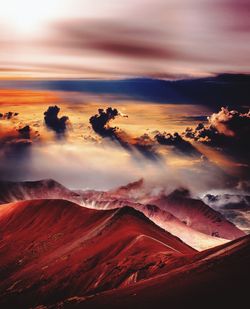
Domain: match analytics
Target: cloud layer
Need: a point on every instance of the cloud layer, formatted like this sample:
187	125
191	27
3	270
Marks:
170	158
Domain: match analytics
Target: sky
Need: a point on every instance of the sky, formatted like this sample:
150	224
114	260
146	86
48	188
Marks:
114	39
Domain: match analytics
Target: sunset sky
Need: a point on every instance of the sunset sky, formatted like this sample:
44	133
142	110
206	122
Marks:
112	39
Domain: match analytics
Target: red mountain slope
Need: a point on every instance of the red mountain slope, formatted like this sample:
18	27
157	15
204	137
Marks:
217	278
191	220
197	215
54	249
29	190
163	218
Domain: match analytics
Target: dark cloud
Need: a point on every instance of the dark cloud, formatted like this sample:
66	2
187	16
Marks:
8	115
129	49
25	132
110	37
202	133
11	135
16	145
228	201
177	142
101	125
14	142
100	122
196	118
231	123
228	130
53	122
234	207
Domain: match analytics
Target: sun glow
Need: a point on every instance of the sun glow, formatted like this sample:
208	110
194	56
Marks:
28	16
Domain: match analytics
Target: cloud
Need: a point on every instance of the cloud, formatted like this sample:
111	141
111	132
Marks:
100	122
226	142
110	37
177	142
238	15
196	118
16	145
25	132
231	123
134	38
53	122
235	207
243	186
9	133
14	141
228	130
146	146
8	115
101	125
228	201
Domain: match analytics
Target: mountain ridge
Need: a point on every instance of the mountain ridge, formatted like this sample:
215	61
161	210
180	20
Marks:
90	250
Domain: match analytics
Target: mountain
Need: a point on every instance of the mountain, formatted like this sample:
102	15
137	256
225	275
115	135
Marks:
27	190
216	278
132	189
224	89
163	218
197	215
55	253
194	213
55	249
139	197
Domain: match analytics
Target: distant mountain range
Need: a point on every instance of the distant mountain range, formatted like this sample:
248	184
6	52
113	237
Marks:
231	90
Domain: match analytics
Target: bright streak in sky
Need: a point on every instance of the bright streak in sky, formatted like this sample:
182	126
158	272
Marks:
27	16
